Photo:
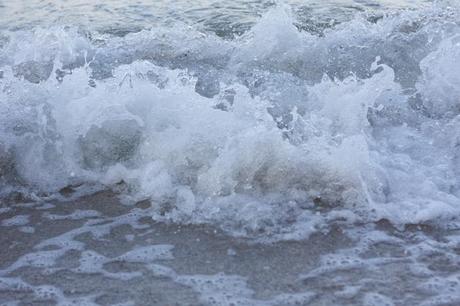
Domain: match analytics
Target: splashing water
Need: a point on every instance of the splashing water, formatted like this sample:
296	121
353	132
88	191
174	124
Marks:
272	132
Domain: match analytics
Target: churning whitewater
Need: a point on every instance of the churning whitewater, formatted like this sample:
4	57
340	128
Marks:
271	133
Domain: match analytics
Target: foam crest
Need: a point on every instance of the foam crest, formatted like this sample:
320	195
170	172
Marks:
264	134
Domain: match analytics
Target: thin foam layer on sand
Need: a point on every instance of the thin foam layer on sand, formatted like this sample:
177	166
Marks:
97	251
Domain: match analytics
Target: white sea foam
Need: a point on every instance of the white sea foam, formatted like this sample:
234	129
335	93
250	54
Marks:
265	134
16	221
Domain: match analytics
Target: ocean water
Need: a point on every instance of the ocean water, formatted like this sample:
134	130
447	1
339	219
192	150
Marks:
269	121
353	113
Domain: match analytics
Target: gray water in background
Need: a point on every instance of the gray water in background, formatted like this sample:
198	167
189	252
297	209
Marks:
225	18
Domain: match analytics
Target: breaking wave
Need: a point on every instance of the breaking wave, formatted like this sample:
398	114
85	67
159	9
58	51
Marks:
270	133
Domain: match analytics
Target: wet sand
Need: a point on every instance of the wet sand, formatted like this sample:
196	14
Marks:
97	251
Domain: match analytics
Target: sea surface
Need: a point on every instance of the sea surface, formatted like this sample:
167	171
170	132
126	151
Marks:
230	152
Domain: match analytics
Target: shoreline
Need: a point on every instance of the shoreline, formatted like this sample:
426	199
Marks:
97	251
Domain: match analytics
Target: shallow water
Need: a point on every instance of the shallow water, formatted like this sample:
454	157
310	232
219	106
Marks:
97	251
323	134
